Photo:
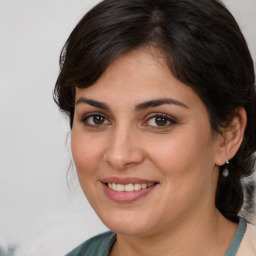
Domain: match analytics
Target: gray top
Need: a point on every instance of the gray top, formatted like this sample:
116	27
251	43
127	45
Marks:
101	245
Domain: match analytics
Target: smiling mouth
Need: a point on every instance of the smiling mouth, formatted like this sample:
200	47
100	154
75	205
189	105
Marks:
127	190
128	187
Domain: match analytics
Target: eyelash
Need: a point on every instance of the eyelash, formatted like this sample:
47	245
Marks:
91	115
171	121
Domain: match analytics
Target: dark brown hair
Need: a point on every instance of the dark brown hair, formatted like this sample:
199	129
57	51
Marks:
204	48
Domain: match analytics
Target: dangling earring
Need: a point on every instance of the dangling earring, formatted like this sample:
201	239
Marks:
225	172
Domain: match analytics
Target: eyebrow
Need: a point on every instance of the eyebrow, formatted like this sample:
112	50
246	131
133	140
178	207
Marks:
139	107
159	102
93	103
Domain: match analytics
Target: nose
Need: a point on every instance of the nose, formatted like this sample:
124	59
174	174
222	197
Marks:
123	150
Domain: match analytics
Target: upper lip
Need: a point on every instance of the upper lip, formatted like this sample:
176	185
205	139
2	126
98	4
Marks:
127	180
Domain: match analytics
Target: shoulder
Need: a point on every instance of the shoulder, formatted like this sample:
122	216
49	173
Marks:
99	245
248	244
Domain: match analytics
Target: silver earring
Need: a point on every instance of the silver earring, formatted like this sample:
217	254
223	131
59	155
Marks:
225	172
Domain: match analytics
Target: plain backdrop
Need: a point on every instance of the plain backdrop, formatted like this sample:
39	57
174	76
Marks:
37	208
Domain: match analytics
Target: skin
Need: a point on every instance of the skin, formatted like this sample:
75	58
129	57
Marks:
178	217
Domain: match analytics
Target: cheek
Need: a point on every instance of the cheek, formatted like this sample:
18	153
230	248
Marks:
184	157
85	153
186	166
86	156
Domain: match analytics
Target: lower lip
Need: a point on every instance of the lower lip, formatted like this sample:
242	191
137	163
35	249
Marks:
126	197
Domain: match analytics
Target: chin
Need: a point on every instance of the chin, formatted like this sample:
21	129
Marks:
128	222
129	230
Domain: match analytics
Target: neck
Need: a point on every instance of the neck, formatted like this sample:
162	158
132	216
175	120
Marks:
204	235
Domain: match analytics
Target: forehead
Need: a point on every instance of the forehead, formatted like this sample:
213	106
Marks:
137	76
138	64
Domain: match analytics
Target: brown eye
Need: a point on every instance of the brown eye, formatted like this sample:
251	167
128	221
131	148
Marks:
98	120
95	120
161	121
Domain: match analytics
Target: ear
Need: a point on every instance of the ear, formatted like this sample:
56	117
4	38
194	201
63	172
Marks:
232	137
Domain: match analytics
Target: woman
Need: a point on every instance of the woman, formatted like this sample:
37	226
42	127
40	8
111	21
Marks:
161	100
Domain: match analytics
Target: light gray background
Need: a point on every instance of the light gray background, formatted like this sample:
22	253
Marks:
36	206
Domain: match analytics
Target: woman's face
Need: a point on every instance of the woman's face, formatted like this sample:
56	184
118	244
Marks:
143	147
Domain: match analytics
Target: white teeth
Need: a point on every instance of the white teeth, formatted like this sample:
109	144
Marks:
137	187
128	187
119	187
114	186
144	185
